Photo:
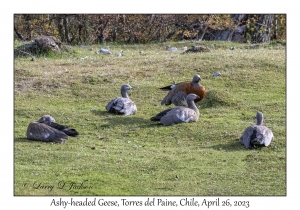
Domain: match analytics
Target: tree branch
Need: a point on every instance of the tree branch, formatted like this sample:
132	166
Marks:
18	34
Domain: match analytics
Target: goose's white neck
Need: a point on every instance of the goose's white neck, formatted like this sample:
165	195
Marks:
192	105
124	93
259	118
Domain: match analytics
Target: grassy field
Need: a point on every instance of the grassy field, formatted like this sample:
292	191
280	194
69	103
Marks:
118	155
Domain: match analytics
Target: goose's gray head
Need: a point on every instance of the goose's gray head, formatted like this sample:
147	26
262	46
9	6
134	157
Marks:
259	114
46	118
196	78
259	118
126	87
192	97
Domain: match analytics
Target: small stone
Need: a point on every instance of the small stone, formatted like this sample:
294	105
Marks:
216	74
93	148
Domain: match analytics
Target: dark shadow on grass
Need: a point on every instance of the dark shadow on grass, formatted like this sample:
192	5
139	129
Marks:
229	147
99	113
29	141
233	146
132	120
22	140
34	141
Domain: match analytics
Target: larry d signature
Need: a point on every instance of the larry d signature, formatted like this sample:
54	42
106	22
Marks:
62	185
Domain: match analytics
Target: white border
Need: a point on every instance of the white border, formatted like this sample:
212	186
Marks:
8	9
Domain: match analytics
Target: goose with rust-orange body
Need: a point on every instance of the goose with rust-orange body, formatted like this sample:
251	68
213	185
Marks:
178	92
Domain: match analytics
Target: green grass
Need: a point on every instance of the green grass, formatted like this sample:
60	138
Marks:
117	155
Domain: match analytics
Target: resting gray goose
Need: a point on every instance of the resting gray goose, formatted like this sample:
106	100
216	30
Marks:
257	134
47	130
122	105
179	114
